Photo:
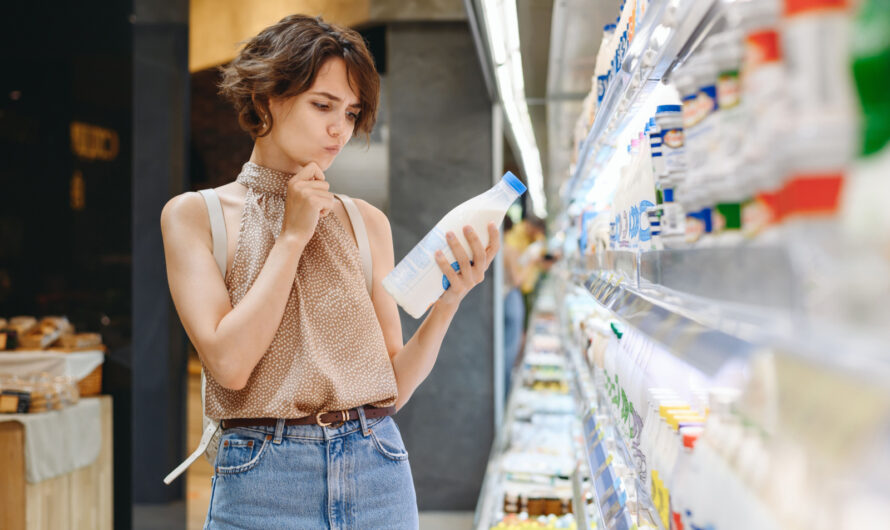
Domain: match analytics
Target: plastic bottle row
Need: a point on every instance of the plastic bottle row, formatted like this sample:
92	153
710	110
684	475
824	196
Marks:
687	444
613	48
765	125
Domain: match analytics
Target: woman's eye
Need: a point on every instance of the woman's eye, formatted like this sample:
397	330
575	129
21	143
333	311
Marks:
322	106
352	116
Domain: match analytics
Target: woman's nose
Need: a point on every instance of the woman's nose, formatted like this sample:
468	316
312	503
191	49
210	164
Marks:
336	128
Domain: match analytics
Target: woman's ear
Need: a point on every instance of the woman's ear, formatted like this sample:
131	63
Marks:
263	112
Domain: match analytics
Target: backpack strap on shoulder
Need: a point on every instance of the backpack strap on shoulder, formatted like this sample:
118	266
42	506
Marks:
210	437
361	238
217	228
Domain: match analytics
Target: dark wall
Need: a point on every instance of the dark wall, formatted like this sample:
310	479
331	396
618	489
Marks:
160	171
55	258
65	245
441	155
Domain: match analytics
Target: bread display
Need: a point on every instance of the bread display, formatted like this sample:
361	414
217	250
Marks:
36	392
80	341
22	325
45	333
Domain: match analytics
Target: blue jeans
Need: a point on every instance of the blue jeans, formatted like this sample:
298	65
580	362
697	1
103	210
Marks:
307	476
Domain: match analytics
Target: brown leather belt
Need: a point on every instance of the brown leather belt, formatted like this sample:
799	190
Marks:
323	419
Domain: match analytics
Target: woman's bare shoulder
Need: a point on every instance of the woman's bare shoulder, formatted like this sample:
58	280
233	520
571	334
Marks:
184	211
374	217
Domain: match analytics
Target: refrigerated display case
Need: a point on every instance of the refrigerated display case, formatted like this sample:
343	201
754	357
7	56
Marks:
725	321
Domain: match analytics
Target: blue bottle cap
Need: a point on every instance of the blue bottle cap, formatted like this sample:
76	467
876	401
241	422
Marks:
668	108
514	182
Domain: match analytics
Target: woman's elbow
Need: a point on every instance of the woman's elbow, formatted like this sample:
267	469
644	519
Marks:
229	375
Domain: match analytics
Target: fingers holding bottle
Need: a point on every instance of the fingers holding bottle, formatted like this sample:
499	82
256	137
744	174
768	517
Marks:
470	272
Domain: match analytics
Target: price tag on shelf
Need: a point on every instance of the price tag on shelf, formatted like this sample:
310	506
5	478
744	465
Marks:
613	509
605	484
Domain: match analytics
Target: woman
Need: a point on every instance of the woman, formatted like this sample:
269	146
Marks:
291	333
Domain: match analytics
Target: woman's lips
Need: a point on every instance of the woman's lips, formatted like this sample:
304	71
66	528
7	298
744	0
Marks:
333	149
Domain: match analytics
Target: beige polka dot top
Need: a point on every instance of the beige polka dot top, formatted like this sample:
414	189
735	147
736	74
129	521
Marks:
328	353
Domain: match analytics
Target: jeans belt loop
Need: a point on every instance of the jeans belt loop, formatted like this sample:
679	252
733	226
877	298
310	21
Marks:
363	421
279	431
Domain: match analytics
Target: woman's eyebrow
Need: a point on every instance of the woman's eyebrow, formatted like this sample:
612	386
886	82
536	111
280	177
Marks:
335	98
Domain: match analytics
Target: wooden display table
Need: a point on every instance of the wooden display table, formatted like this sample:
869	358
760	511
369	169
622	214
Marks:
79	499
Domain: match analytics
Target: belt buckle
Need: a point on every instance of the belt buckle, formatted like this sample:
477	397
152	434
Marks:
332	425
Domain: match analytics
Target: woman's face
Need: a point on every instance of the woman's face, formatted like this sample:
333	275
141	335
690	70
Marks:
315	125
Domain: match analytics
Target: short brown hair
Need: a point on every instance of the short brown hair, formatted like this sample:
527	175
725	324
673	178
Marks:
283	61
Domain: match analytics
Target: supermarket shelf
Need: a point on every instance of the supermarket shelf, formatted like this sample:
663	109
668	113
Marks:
702	347
616	515
713	306
669	31
731	274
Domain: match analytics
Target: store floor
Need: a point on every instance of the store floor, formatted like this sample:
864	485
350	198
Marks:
198	477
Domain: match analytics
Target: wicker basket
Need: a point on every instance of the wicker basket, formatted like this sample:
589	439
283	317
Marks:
91	385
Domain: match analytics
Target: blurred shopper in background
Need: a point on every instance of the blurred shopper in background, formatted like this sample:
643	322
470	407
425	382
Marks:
524	251
304	367
528	237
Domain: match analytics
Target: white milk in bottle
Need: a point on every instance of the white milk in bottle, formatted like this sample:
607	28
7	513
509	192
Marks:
417	282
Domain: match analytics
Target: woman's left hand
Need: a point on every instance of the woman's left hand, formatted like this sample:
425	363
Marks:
470	273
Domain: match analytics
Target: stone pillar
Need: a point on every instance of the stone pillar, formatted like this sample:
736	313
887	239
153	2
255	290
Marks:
160	133
440	155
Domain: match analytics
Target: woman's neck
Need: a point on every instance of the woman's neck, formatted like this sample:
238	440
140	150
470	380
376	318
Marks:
267	155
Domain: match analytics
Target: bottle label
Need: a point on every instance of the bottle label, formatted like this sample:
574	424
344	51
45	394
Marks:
728	90
689	110
756	216
405	276
673	151
673	138
601	82
761	47
634	221
699	106
727	216
810	195
645	233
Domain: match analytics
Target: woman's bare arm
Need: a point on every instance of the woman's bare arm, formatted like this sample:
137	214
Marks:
231	341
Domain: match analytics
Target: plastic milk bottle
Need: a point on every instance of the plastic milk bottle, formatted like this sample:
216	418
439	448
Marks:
417	282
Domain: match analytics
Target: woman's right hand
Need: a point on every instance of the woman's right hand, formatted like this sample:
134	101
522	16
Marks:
308	199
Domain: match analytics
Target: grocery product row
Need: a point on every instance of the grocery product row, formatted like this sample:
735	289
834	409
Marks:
730	125
698	437
644	435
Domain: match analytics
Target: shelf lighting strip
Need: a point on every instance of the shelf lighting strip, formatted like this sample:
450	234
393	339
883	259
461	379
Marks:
502	30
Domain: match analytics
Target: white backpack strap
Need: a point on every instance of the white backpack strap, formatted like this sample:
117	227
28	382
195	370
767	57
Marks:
208	435
220	249
217	228
361	238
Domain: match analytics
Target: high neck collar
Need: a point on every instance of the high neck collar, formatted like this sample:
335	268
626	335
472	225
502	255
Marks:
264	180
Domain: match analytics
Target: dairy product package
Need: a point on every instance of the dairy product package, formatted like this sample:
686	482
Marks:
416	282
